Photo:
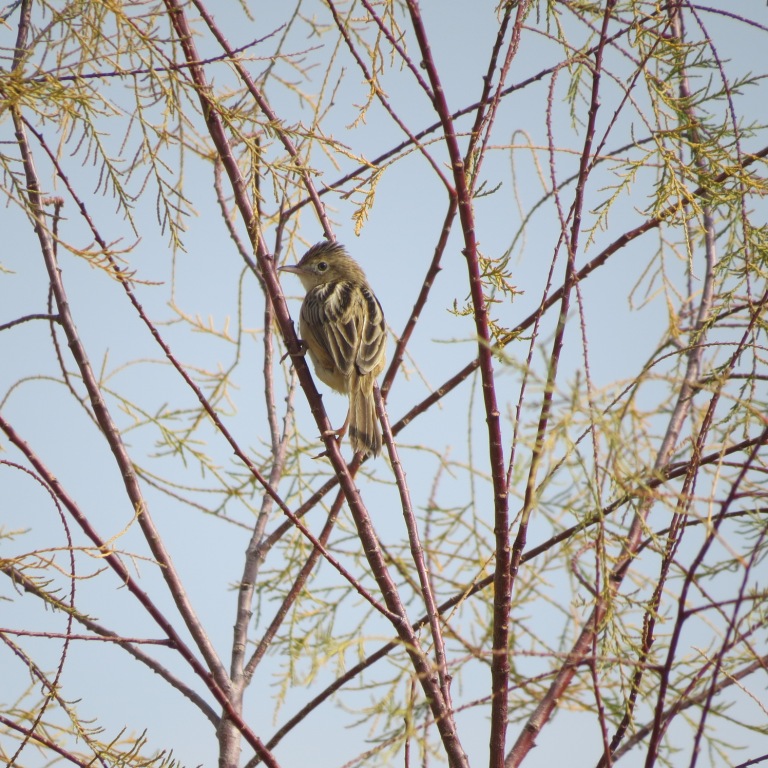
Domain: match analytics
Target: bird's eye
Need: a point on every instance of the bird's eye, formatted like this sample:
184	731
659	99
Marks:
322	266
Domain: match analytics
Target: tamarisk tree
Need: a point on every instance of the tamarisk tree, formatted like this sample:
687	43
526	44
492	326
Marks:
560	206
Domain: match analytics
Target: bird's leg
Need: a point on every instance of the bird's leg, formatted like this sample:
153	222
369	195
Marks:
302	351
341	431
336	433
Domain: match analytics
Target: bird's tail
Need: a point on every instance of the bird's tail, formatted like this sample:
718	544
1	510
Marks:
364	433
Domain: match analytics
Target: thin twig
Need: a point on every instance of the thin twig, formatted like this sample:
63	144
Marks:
417	553
26	318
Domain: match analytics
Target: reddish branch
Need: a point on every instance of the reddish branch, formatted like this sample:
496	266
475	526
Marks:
502	576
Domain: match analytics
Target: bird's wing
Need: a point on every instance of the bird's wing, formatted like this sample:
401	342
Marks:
328	316
372	334
346	322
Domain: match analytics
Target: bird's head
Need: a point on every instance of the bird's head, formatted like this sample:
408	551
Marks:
325	262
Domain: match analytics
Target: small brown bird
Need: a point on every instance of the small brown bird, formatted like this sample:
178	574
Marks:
342	327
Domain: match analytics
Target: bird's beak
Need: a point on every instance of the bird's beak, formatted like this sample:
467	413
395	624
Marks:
293	268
